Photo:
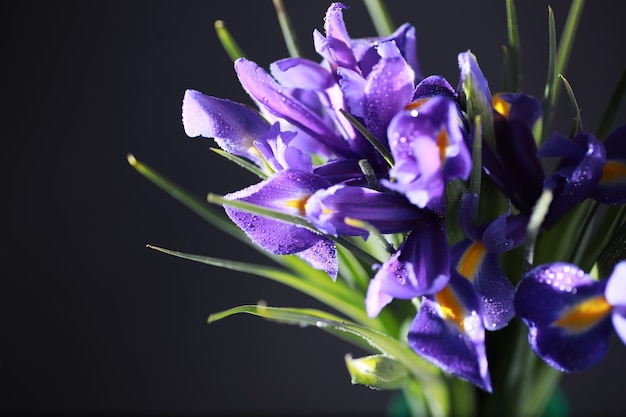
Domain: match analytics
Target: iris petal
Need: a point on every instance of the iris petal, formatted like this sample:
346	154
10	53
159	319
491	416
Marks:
388	89
612	186
420	266
579	171
234	126
388	213
567	315
285	191
270	95
448	331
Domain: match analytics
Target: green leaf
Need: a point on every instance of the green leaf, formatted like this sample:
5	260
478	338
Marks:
551	82
514	46
534	225
241	162
567	39
227	41
286	27
604	128
374	340
380	16
375	143
334	294
578	122
196	205
288	218
607	222
613	252
557	61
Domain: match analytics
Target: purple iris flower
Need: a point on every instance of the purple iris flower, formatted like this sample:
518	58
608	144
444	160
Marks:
360	55
305	112
570	315
388	213
448	331
286	191
420	266
513	165
427	142
376	75
578	172
233	126
477	259
276	148
611	188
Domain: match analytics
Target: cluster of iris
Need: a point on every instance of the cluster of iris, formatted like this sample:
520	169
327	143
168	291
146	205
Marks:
363	138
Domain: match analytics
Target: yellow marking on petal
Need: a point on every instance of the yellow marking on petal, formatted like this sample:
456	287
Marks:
470	261
500	105
613	171
298	203
443	141
584	315
416	104
450	307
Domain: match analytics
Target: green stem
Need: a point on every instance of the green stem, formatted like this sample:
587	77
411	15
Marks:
380	16
288	33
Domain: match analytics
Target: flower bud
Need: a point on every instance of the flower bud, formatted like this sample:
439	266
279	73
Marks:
376	371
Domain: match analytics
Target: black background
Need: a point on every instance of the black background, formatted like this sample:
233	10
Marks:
91	321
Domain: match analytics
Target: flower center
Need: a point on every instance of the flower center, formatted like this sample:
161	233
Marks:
613	171
471	259
584	315
501	106
450	307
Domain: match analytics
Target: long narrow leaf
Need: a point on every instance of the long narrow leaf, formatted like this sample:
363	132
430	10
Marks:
380	16
578	122
228	42
567	39
551	82
334	294
514	46
190	201
241	162
288	33
379	146
604	127
420	368
287	218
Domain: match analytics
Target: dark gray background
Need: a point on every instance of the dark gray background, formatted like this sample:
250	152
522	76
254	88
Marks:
90	319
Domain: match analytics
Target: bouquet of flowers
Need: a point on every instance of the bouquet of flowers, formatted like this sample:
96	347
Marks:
475	252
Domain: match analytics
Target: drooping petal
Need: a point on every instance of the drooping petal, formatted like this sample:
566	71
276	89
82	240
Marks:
388	89
285	191
302	74
276	150
615	294
234	126
434	85
420	266
611	188
449	332
580	169
322	255
388	213
404	37
472	261
336	46
513	163
568	316
270	95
